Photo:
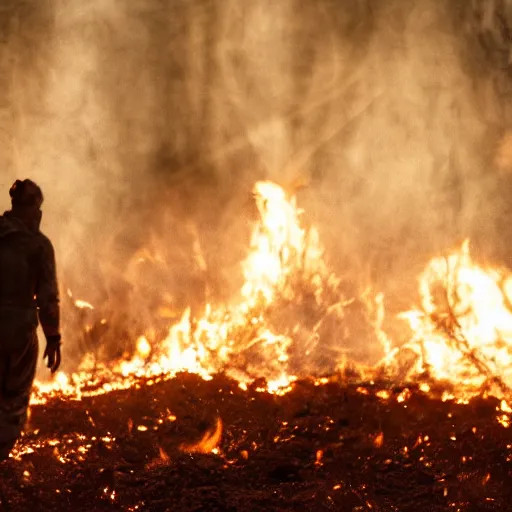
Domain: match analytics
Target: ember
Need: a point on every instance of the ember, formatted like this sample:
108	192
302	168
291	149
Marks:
268	450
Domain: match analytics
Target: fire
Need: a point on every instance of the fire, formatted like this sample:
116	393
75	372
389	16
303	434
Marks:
143	347
162	459
82	304
461	334
378	440
230	337
279	246
208	443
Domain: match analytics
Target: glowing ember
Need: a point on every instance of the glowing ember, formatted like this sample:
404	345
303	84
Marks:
378	441
504	420
163	455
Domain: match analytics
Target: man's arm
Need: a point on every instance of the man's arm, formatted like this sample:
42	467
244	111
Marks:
47	297
47	292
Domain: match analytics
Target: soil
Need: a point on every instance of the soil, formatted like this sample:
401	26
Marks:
319	447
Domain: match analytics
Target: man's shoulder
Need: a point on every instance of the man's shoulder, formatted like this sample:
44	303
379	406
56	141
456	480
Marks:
44	239
44	242
10	225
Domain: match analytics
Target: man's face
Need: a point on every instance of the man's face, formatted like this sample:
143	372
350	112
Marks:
33	215
38	214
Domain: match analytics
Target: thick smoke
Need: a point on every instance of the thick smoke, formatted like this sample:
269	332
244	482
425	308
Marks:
147	123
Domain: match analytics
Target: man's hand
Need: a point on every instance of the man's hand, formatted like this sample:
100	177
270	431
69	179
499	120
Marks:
52	352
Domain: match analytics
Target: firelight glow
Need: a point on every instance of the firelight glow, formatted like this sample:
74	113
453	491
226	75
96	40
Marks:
461	333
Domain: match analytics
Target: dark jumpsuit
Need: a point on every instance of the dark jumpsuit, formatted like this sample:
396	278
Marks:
28	293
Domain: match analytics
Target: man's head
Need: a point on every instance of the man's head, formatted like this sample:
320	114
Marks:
26	200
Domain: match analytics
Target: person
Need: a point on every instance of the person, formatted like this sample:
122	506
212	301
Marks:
28	296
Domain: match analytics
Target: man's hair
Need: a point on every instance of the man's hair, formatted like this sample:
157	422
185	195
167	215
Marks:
25	194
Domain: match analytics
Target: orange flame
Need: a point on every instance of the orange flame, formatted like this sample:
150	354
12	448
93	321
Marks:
279	247
378	440
461	333
208	443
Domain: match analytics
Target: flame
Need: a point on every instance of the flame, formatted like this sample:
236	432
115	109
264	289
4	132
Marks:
461	333
143	347
163	455
279	245
82	304
237	338
162	459
378	440
208	443
505	407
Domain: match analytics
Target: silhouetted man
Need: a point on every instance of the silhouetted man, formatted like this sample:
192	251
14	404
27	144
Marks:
28	294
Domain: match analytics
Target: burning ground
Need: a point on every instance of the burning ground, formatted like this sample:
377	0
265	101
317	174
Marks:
190	444
292	397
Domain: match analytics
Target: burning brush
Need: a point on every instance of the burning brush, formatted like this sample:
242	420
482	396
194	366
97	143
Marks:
237	394
294	318
463	332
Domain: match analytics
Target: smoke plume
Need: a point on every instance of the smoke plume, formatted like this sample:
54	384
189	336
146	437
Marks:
147	123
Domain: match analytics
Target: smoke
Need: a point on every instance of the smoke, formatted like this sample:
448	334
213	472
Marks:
147	123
